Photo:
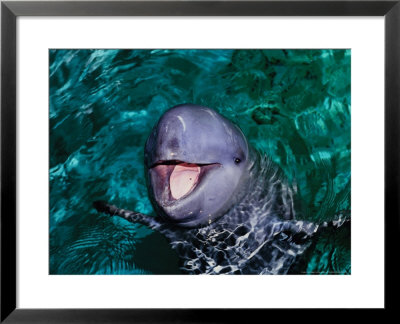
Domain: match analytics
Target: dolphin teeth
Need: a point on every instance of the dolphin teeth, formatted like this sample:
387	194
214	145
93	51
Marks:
183	179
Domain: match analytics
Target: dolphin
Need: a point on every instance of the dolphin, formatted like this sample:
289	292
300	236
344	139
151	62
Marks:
224	207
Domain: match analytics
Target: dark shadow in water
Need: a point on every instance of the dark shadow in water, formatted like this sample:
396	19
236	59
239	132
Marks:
320	244
155	255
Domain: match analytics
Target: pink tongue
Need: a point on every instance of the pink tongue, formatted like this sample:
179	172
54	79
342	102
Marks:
183	179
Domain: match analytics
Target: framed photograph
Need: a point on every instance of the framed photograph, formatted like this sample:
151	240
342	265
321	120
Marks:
224	202
160	159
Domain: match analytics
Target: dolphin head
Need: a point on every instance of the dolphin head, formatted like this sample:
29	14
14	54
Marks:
197	164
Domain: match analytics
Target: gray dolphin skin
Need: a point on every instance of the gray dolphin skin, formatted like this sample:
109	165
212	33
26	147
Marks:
199	157
223	207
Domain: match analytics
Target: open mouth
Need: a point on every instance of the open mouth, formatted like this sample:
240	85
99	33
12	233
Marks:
174	179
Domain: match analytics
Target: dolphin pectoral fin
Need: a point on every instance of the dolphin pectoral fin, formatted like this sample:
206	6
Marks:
297	231
131	216
342	218
300	230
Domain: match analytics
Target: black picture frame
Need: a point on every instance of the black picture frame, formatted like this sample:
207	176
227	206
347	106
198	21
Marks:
10	10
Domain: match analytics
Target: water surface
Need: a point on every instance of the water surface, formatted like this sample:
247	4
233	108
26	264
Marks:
293	105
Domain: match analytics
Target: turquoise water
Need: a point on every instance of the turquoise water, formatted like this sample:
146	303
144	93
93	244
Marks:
294	105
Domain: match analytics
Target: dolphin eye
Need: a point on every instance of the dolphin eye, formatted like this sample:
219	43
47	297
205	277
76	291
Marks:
237	160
